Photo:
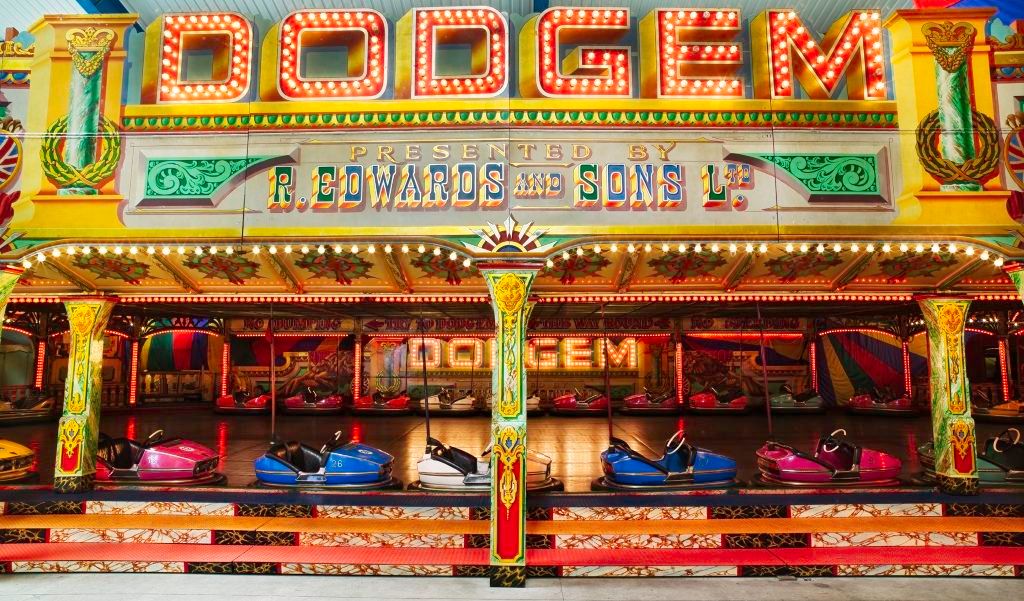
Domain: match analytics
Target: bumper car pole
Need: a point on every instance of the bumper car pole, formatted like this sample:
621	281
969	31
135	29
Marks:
423	361
764	372
273	377
607	375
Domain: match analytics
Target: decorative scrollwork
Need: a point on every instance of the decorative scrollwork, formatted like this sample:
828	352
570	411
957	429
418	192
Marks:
856	174
190	178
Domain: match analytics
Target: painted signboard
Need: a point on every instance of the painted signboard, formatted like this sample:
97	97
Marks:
579	119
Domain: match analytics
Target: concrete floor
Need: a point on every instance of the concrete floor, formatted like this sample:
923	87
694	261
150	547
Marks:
157	587
573	443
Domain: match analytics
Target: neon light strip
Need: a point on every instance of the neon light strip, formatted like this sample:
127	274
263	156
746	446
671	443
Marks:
857	331
357	369
133	375
40	364
1004	370
907	388
679	373
292	334
106	332
225	367
182	331
813	358
20	331
730	335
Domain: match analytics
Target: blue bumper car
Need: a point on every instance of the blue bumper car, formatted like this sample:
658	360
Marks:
682	467
352	465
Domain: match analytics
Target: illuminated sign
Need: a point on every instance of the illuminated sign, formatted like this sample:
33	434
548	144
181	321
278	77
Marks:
562	53
542	353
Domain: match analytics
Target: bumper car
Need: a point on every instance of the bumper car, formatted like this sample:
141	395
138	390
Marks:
682	466
349	466
593	402
807	401
984	409
171	462
34	408
835	462
15	461
446	468
715	400
240	401
378	404
309	402
448	402
881	402
650	403
532	404
1000	463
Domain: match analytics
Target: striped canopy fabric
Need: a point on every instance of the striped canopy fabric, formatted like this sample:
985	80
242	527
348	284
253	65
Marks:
849	362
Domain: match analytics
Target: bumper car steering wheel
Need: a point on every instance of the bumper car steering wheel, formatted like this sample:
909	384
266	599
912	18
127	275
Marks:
832	438
1004	436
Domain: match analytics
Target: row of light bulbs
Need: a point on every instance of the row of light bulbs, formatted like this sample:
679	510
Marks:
597	248
255	249
790	247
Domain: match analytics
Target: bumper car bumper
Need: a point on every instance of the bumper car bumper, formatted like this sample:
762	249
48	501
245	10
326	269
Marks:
314	410
208	479
892	411
242	410
25	416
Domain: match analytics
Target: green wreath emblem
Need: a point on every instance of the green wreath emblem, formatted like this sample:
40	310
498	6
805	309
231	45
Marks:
92	175
977	169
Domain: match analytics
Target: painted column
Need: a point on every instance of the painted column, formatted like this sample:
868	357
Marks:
956	139
510	289
942	80
88	51
9	275
78	432
952	425
1016	273
72	125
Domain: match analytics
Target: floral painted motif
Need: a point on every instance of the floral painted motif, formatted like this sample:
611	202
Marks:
792	266
677	267
901	268
113	267
340	267
442	266
233	268
576	266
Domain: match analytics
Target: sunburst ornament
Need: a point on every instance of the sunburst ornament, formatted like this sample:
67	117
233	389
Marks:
341	267
443	266
509	237
233	268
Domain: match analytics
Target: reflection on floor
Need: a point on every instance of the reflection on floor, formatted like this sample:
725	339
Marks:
574	444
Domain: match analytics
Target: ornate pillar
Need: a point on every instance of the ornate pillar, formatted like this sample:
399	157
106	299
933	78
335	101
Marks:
509	286
952	425
1016	272
78	432
73	124
943	87
9	275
